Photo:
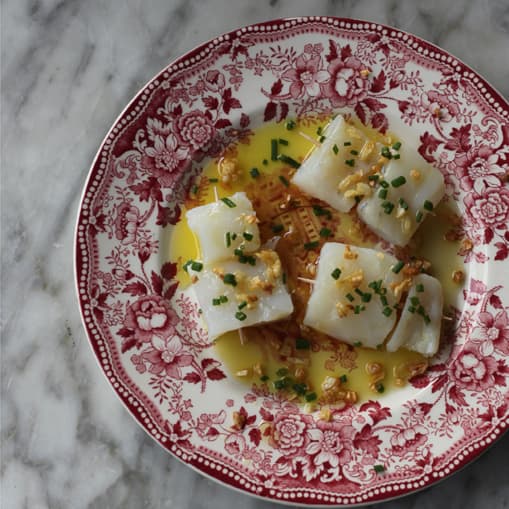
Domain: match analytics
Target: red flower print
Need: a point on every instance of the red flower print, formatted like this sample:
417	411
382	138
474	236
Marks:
409	439
440	105
235	444
206	425
306	77
473	371
330	442
164	159
126	223
289	433
195	129
215	80
167	357
491	209
493	332
151	316
346	85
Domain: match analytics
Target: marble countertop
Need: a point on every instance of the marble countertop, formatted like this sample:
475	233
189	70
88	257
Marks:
68	68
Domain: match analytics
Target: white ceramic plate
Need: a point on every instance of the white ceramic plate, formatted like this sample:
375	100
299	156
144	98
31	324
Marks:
144	330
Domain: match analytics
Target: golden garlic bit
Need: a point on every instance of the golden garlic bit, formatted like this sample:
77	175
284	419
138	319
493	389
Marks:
239	421
404	372
376	374
458	276
335	393
228	170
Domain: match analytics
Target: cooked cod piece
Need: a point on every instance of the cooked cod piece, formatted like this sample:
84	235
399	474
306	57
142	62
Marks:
336	171
354	293
418	328
233	295
407	191
224	226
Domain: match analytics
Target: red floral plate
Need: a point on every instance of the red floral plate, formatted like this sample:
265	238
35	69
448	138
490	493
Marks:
146	331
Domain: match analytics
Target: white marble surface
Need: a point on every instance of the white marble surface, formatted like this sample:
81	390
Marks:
68	68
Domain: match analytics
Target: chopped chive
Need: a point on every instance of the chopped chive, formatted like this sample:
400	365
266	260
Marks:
223	299
300	389
240	315
228	239
343	379
290	125
234	236
254	172
375	285
321	139
428	205
238	251
398	181
311	245
418	216
273	149
325	232
380	387
414	301
281	384
396	156
350	297
265	162
194	189
373	178
320	211
387	311
357	309
216	302
335	149
357	343
420	287
397	268
284	278
388	207
277	228
354	152
397	145
347	143
197	266
288	160
384	184
282	372
420	311
186	265
242	305
350	162
213	180
229	279
411	309
379	468
336	273
264	378
386	152
383	300
282	141
247	259
366	297
310	396
302	344
403	204
382	194
358	291
319	130
248	236
427	319
228	202
284	181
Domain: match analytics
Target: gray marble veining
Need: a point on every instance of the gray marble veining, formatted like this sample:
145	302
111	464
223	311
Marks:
68	68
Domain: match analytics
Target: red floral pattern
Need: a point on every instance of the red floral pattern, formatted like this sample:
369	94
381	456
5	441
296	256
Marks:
147	331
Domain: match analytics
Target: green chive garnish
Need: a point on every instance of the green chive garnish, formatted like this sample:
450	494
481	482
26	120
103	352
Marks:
282	141
358	343
411	309
350	162
265	162
321	139
325	232
397	268
197	266
396	156
383	300
354	152
282	372
277	228
247	236
228	202
397	145
311	245
403	204
229	279
216	302
418	216
223	299
366	297
379	468
320	211
428	205
290	125
347	143
300	389
302	344
254	172
310	396
336	273
384	184
420	287
284	181
387	311
213	180
288	160
264	378
335	149
319	130
382	194
386	152
343	379
398	181
240	315
373	178
273	149
388	207
242	305
228	239
380	387
414	301
281	384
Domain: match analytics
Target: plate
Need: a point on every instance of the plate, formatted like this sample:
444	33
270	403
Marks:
146	332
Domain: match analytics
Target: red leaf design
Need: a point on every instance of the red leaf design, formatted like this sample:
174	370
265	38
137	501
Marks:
425	408
375	411
266	415
333	51
148	188
438	383
134	289
125	332
419	381
177	111
244	120
128	344
212	433
230	102
367	442
429	144
169	270
270	111
379	121
192	377
374	104
360	112
206	363
166	215
221	123
477	286
499	379
378	83
502	251
276	88
460	139
157	283
403	105
170	291
449	409
346	52
215	374
283	111
255	435
457	396
496	302
210	102
488	235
